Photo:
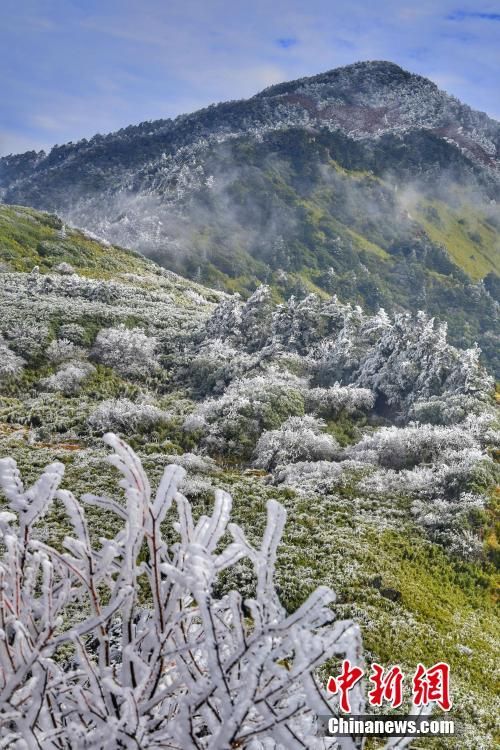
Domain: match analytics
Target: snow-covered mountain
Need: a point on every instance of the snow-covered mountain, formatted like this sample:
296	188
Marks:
366	180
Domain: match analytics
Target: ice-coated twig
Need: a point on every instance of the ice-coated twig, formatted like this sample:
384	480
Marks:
101	648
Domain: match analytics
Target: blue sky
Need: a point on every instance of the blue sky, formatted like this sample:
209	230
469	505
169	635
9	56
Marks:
72	68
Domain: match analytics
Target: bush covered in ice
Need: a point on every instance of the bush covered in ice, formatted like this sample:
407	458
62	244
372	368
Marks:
69	378
126	416
128	350
10	363
319	477
448	522
65	268
298	439
27	338
62	350
234	422
403	448
215	365
448	409
73	332
330	402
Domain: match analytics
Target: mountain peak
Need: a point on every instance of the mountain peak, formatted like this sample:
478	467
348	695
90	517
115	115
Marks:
352	181
377	71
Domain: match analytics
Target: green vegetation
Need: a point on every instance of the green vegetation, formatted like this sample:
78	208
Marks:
30	238
469	239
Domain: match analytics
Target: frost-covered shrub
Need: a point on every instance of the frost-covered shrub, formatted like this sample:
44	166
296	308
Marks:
462	469
73	332
403	448
69	378
83	664
330	402
298	439
128	350
448	522
10	363
444	494
62	350
233	423
193	463
447	409
74	286
197	487
215	365
319	477
453	472
28	338
126	416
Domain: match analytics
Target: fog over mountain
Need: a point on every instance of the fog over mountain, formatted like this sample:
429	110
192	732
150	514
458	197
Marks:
367	181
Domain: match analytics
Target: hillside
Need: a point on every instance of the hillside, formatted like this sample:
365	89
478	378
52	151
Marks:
366	181
30	239
379	437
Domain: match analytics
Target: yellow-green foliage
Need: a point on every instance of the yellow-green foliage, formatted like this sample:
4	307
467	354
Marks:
31	238
471	242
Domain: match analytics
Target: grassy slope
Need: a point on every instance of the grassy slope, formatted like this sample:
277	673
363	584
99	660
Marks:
31	238
471	241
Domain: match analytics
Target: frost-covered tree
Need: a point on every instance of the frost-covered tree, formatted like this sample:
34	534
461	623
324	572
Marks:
128	350
294	325
256	316
404	360
339	355
412	360
225	321
298	324
215	365
105	645
298	439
